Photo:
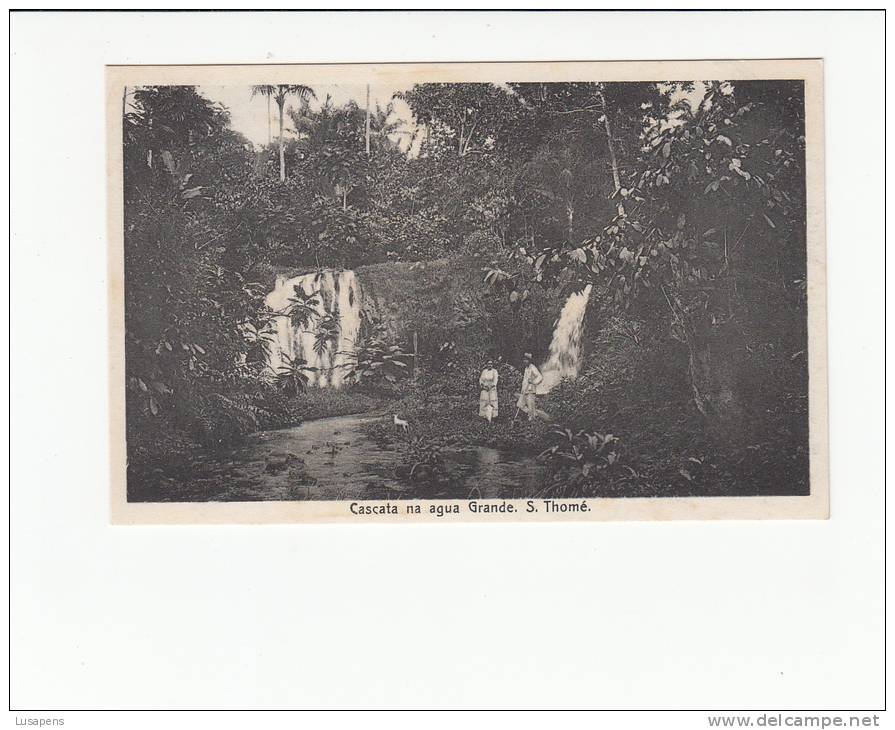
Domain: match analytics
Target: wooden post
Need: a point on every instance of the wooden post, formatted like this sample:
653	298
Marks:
415	351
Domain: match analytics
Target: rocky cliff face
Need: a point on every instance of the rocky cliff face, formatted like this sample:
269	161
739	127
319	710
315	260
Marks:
445	303
439	300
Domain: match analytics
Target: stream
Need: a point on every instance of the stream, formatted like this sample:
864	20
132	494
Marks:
332	459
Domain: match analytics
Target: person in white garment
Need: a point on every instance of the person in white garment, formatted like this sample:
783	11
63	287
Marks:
488	394
531	378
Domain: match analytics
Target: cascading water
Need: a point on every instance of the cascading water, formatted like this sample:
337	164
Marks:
338	296
565	347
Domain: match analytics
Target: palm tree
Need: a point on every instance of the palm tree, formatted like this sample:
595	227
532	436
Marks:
279	92
268	121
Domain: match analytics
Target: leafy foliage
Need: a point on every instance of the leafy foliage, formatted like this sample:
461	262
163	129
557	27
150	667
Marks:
577	455
292	376
303	307
425	460
326	333
373	359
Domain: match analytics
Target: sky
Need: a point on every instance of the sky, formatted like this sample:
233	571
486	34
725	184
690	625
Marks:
248	115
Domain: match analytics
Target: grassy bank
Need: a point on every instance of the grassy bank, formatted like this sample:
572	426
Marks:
626	427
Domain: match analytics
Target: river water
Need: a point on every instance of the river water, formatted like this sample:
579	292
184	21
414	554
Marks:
329	459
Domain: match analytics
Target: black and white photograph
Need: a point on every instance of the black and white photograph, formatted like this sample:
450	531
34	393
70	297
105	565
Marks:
418	361
484	290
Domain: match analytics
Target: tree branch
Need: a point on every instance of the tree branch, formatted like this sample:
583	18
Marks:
580	110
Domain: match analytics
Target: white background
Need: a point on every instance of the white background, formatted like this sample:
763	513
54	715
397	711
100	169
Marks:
729	615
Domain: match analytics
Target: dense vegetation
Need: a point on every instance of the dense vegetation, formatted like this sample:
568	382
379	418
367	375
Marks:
683	205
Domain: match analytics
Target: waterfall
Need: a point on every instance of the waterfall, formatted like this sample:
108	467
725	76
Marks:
338	295
565	347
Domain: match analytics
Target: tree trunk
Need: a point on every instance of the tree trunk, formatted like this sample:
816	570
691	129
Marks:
367	124
714	355
613	160
713	364
149	151
281	103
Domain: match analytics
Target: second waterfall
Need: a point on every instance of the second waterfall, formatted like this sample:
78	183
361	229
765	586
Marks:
565	347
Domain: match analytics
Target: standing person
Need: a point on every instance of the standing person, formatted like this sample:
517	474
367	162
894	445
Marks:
488	395
531	378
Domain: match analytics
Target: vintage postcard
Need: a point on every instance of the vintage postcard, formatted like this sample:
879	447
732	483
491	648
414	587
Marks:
467	292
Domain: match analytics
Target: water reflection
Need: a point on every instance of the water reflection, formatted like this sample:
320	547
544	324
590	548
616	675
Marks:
334	459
